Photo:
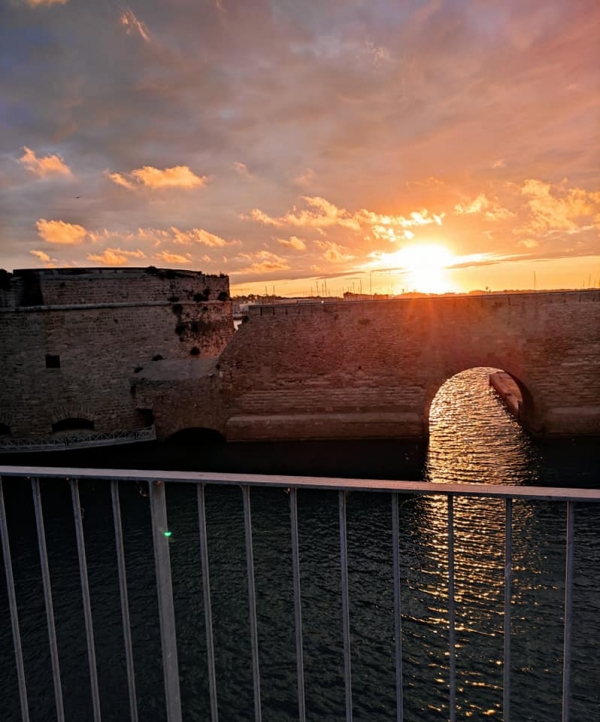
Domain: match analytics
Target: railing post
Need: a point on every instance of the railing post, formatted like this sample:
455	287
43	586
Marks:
12	602
114	490
297	604
566	692
507	602
41	534
166	608
210	650
252	603
85	593
397	609
342	497
451	610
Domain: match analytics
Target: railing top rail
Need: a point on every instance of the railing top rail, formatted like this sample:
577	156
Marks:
309	482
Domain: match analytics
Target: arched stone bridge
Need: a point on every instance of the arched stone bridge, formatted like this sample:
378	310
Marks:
369	369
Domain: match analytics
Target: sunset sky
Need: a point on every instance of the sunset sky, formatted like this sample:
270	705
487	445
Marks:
380	145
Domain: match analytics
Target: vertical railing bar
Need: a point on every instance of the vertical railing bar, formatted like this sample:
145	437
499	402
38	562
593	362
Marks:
342	498
85	593
297	604
252	603
566	692
397	609
451	610
14	614
39	522
166	607
507	612
210	649
116	506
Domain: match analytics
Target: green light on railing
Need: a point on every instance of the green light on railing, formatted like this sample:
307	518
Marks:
167	533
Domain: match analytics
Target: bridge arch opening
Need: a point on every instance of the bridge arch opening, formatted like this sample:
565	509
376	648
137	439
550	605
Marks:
196	436
73	424
476	430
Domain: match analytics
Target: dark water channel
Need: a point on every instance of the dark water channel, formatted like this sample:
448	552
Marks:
473	439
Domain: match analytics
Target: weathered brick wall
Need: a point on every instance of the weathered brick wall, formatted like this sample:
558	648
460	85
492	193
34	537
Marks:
182	403
365	368
119	285
103	328
333	370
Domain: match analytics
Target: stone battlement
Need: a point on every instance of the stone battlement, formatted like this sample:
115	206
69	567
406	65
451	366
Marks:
89	286
463	300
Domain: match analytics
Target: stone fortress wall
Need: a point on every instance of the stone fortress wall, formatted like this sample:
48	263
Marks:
72	340
371	368
122	348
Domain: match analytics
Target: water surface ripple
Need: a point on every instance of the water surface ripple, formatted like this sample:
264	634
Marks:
473	439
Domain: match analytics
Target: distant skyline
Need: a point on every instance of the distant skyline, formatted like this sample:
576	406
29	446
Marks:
423	145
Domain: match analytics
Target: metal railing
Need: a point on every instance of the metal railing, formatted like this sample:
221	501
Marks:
160	531
76	440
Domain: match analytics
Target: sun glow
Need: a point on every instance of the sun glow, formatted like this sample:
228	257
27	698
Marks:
426	267
422	267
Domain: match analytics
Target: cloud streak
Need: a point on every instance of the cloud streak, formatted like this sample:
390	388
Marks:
263	262
322	214
293	242
559	208
43	167
61	233
491	210
39	3
133	26
115	256
179	176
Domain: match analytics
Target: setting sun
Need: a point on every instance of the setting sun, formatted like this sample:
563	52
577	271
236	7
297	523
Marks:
425	266
419	267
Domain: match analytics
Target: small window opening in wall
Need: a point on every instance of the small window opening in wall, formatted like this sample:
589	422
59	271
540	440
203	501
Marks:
146	417
75	424
52	362
4	429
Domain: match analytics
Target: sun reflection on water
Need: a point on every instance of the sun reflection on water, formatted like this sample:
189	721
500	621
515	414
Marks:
473	439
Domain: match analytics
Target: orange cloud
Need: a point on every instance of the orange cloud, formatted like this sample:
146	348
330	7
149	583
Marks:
294	242
242	169
44	167
41	255
168	257
115	256
44	258
489	209
323	214
133	25
38	3
334	252
198	235
158	236
120	180
264	262
180	176
557	209
528	243
61	233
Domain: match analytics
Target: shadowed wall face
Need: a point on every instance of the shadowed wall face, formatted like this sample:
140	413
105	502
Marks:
71	341
371	369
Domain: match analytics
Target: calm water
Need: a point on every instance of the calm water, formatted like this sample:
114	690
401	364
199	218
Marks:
472	439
